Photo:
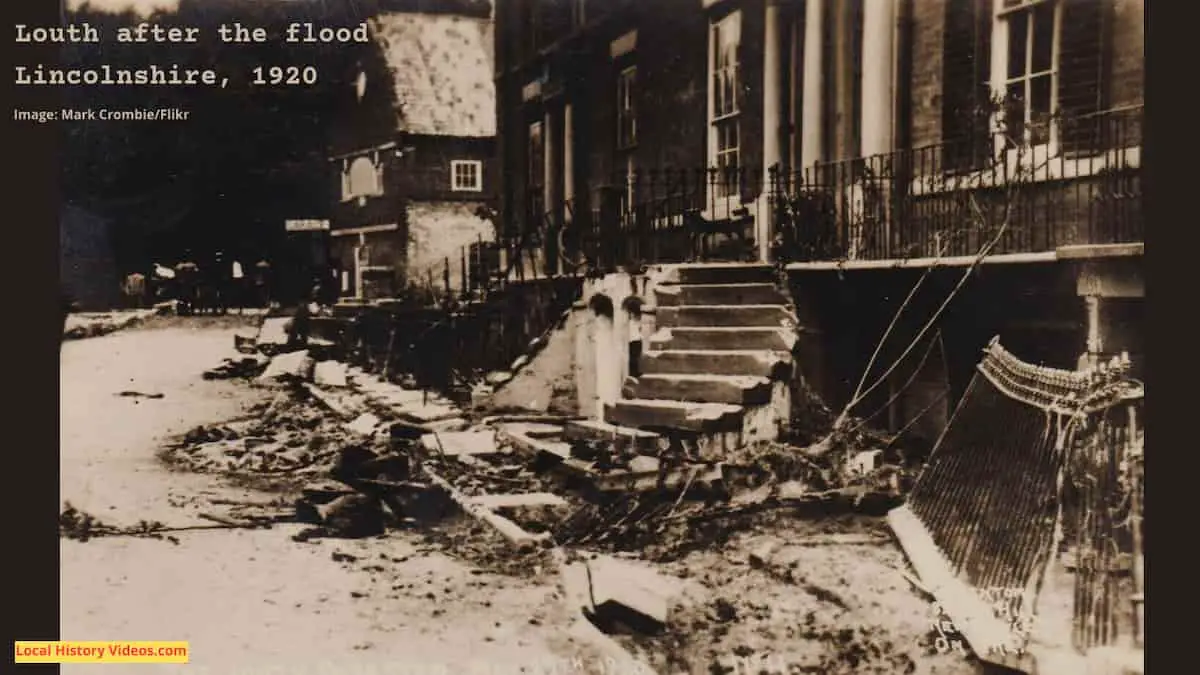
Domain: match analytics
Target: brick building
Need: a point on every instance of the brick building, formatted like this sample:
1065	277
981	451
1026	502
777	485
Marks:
861	142
413	158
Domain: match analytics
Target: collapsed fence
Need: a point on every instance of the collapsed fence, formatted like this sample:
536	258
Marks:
1037	472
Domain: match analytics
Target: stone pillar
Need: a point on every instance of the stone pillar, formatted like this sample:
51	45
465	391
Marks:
549	187
568	153
811	150
878	98
1094	345
843	79
772	120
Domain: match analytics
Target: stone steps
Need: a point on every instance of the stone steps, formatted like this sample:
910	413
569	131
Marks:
717	273
705	388
725	316
697	417
725	338
639	440
712	375
719	294
776	365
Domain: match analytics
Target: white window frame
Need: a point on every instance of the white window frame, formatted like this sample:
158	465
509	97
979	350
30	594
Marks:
1027	153
626	107
723	204
475	169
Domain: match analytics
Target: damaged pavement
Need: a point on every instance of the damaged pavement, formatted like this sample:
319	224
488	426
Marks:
661	561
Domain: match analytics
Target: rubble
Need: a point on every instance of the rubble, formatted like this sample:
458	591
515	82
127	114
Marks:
330	374
296	365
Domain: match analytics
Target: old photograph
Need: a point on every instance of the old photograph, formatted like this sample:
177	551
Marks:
599	336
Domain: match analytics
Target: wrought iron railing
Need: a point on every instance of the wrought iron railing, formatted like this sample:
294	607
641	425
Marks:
958	197
955	198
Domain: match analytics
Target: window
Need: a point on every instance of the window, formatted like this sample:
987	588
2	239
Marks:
537	171
626	110
725	41
1030	84
466	175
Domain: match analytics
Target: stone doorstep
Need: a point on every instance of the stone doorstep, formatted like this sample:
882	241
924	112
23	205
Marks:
697	417
776	365
596	430
741	316
723	339
740	390
715	273
719	294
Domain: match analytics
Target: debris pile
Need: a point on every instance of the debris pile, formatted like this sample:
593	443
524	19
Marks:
288	436
79	326
245	367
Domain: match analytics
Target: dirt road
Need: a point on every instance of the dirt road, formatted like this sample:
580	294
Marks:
254	601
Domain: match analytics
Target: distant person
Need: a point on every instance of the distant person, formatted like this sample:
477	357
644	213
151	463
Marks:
262	283
187	274
237	286
219	283
301	322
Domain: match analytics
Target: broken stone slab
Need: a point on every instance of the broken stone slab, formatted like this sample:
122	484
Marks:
296	364
365	424
498	378
330	374
431	412
519	363
637	440
329	401
517	436
461	443
539	430
632	593
450	425
273	331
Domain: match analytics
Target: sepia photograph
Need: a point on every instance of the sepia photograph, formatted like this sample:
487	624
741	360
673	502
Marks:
664	337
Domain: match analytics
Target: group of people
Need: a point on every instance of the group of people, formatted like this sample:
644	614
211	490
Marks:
213	289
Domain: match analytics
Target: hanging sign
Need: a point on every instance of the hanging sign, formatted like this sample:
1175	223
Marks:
306	225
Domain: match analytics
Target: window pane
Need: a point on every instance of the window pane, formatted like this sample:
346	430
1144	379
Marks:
1017	35
1043	36
1014	113
1039	107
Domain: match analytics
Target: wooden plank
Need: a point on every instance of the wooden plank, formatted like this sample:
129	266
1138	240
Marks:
516	500
507	528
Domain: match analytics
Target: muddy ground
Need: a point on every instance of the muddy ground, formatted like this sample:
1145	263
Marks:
447	597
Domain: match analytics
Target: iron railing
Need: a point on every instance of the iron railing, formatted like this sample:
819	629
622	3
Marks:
949	199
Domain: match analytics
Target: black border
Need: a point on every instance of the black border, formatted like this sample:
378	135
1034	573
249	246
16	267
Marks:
33	333
30	491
